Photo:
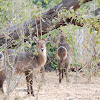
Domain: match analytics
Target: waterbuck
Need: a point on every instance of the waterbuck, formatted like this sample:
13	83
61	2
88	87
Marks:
25	62
64	58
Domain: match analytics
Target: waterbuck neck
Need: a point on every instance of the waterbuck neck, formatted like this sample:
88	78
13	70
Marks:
41	59
62	39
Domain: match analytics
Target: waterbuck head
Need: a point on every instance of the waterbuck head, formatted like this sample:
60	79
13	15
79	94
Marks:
41	47
60	38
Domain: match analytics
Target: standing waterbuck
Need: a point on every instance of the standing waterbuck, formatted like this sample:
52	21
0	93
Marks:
25	62
64	58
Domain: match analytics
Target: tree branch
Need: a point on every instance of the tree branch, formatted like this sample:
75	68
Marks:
14	31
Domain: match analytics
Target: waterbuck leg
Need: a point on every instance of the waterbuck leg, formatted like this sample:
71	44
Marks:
66	72
1	88
62	73
2	79
29	79
31	83
59	76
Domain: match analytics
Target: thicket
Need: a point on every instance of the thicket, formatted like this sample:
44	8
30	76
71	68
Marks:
84	41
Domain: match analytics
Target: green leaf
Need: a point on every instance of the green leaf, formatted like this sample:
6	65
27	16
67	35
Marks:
91	30
98	32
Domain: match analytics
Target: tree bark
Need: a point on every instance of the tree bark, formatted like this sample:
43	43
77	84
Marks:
48	16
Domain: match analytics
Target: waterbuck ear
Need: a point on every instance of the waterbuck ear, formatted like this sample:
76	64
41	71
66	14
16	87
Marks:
35	39
48	39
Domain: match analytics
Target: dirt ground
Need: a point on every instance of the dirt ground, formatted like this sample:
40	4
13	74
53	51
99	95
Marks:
50	89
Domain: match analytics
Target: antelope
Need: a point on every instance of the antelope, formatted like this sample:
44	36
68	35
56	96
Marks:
63	55
26	62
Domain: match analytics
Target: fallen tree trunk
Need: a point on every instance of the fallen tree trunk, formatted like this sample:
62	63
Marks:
15	31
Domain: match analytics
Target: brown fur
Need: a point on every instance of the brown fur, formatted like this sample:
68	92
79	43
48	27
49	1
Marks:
63	55
25	62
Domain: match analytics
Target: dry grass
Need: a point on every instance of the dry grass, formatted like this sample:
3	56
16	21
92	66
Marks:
52	90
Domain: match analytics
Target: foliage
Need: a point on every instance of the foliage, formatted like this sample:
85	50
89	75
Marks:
44	3
14	12
4	12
